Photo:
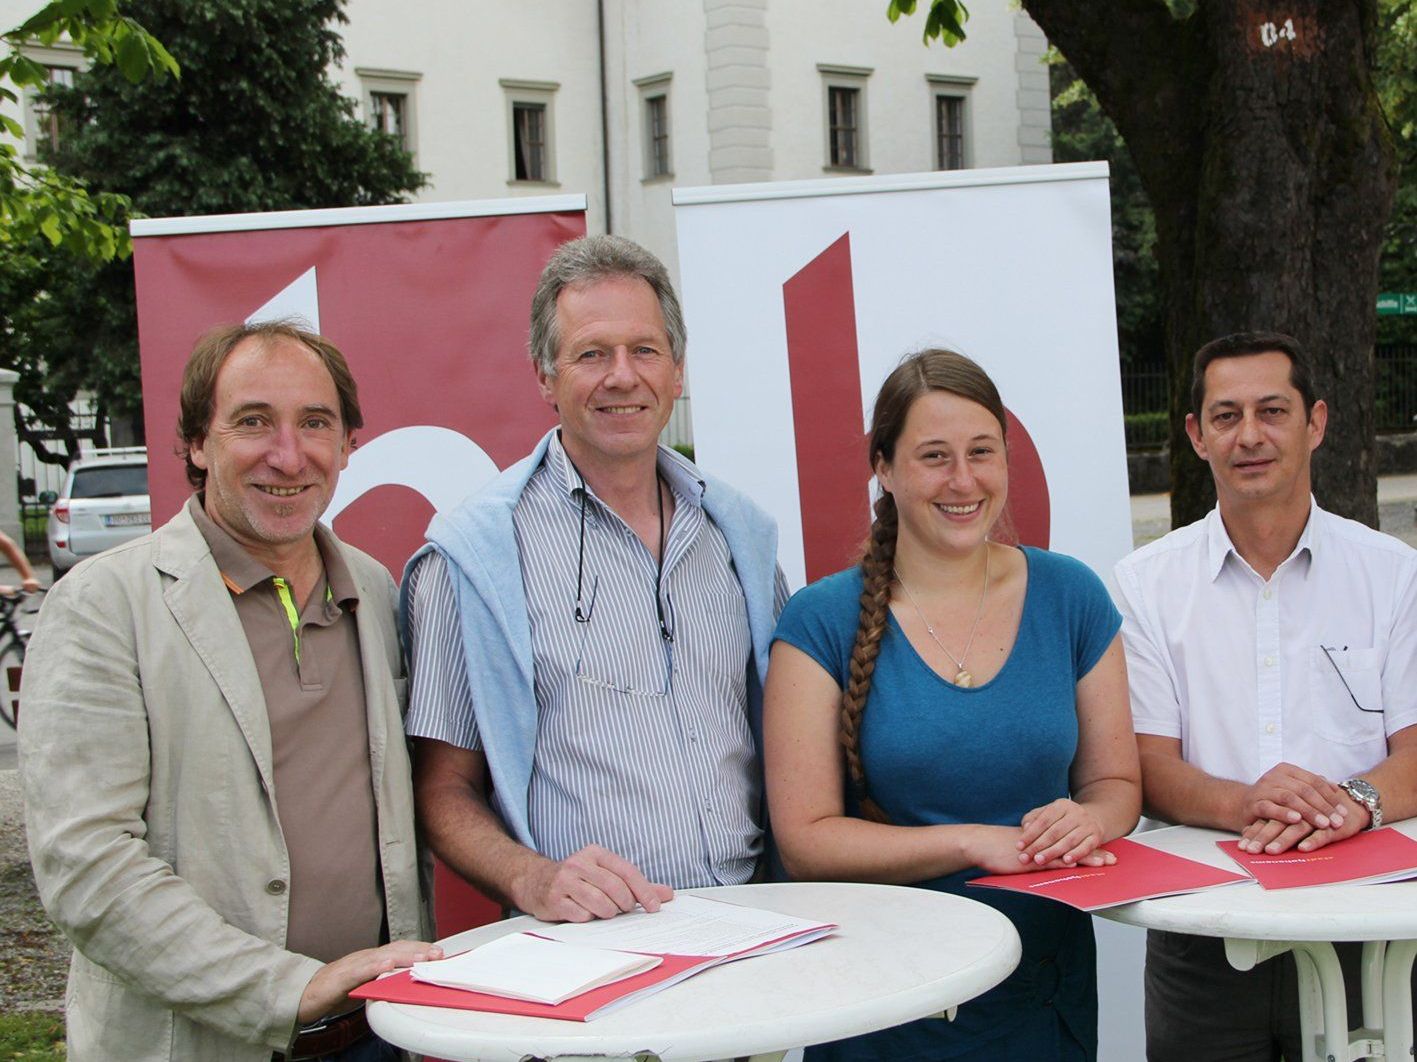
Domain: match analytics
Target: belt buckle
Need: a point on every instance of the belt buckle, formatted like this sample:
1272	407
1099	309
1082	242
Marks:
338	1038
321	1025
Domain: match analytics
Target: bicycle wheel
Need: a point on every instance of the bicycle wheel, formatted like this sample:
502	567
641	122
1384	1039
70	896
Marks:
12	656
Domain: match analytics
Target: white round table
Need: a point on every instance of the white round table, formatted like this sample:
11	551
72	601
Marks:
1257	924
900	954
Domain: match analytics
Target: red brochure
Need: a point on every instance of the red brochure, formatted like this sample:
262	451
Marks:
402	988
1140	873
1364	858
721	932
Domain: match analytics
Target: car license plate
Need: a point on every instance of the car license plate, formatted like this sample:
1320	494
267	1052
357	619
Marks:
124	519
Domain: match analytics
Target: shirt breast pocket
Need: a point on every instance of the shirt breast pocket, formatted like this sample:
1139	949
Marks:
620	659
1347	695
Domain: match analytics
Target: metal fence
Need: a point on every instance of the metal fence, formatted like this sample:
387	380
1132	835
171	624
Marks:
37	476
1144	397
1144	408
1395	386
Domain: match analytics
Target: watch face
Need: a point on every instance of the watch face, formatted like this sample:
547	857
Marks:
1364	793
1361	790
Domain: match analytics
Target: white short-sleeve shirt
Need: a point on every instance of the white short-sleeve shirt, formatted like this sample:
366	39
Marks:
1315	667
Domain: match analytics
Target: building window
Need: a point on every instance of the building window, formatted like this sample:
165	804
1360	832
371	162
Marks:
532	131
388	114
949	132
949	120
653	108
47	123
843	108
657	134
390	105
43	127
654	125
529	139
846	116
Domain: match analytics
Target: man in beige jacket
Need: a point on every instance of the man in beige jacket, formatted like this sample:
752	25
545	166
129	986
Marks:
215	775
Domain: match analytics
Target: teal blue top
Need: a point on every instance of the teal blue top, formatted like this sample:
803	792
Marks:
935	753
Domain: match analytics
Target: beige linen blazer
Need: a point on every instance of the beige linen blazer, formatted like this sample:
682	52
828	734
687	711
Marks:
145	755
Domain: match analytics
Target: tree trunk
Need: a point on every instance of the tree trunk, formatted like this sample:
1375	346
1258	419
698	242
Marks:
1257	134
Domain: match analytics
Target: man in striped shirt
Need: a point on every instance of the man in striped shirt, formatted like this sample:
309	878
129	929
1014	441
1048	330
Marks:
589	634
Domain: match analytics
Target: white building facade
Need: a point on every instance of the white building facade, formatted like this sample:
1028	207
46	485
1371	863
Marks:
624	99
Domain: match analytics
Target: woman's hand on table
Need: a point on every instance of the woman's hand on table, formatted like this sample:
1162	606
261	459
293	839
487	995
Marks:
1065	833
996	849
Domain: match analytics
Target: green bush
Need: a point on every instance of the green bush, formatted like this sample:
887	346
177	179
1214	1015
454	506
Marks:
1146	431
34	522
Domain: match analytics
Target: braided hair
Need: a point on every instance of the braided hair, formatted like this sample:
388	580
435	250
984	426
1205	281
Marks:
877	574
918	374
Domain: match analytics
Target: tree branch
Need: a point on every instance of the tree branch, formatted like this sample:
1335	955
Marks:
39	444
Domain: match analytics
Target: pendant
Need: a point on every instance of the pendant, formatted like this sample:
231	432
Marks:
963	679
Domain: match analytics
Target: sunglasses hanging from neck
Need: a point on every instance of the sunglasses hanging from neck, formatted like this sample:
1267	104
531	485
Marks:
584	611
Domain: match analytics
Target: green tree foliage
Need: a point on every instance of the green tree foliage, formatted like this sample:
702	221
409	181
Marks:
36	201
1082	133
1397	89
944	20
256	124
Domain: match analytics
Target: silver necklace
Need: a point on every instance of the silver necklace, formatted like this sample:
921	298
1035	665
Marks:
962	677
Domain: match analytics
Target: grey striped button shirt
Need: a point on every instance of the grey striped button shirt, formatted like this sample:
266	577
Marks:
642	746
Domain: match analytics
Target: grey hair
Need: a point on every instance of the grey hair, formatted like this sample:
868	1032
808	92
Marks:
592	258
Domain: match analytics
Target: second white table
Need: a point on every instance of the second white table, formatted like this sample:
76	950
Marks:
1258	924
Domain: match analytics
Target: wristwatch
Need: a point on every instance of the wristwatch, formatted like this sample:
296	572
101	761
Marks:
1362	791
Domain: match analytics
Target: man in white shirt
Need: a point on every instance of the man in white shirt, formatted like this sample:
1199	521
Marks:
1272	657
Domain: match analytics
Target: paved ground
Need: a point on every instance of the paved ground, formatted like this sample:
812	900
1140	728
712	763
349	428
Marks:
36	955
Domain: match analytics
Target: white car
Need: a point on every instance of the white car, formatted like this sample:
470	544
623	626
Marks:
103	504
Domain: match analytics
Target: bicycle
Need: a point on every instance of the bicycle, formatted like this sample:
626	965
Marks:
13	639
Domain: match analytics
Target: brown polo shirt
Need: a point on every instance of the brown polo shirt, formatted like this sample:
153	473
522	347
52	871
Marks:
313	683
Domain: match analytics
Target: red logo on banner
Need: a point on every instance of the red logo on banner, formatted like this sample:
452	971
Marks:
833	467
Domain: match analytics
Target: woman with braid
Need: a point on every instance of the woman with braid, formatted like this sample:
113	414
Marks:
955	706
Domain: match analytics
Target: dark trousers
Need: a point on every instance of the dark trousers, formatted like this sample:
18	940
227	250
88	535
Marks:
1201	1009
369	1049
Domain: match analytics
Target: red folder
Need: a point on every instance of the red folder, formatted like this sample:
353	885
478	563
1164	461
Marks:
1373	856
1140	873
402	988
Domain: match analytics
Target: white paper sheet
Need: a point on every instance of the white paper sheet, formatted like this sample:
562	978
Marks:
521	966
687	925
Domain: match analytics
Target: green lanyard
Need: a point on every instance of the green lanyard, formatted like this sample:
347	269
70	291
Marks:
287	602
